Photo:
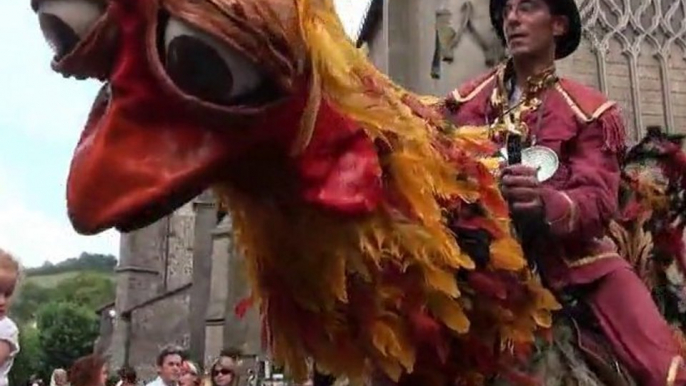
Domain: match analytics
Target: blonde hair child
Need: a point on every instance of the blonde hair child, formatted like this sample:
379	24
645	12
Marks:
9	333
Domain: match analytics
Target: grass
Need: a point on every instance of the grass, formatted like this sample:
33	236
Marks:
52	280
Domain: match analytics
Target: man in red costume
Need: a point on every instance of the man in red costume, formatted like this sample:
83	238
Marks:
582	135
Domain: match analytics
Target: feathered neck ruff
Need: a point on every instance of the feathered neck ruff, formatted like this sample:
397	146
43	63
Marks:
384	291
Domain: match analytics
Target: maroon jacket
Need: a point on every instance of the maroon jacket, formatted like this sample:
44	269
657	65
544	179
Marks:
587	133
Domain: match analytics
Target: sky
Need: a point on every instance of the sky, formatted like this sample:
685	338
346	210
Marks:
41	118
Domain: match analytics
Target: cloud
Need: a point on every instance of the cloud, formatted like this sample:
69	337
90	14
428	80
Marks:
41	116
35	100
35	237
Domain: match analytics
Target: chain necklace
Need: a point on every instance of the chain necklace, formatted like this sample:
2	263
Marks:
509	118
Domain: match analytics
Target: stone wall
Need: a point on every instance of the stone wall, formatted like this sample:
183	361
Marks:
139	274
216	310
159	322
138	279
153	279
229	285
157	301
634	51
106	319
406	39
179	254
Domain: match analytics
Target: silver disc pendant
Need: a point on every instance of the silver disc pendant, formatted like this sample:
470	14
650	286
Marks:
503	154
542	158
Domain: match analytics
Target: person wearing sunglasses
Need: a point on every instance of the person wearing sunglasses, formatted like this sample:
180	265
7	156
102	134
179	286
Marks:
223	370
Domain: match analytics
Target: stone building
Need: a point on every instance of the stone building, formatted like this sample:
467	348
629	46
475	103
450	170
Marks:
633	50
179	279
176	280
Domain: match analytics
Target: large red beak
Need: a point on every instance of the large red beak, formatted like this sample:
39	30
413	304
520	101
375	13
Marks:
127	174
129	169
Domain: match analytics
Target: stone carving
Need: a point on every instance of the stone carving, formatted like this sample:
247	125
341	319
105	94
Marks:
448	38
635	23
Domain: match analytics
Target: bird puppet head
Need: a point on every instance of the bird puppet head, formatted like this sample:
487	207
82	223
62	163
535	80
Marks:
197	91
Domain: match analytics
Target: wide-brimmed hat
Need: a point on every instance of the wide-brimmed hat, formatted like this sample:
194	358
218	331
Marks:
567	43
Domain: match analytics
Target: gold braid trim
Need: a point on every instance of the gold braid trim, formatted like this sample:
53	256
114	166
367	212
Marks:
591	259
572	214
460	99
677	361
577	110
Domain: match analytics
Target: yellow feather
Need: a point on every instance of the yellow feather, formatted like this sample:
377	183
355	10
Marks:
507	254
544	299
543	318
389	338
474	133
491	163
449	311
441	280
383	338
390	367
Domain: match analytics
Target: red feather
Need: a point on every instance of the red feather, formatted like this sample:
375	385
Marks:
243	306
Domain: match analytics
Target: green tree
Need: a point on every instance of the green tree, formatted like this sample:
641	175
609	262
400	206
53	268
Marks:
88	289
28	299
29	360
67	331
85	262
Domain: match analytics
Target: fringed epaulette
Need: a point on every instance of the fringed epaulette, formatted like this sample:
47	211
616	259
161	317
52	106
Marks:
614	130
469	90
590	105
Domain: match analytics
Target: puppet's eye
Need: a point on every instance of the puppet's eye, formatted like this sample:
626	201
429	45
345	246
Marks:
208	69
65	22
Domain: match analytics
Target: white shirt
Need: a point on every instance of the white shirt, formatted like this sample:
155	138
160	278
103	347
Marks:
157	382
516	95
10	334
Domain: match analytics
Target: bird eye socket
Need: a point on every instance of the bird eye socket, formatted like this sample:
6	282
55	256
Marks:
65	22
204	67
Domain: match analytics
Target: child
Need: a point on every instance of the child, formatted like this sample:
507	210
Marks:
9	333
190	374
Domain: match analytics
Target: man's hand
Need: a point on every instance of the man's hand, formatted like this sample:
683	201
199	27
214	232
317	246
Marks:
521	188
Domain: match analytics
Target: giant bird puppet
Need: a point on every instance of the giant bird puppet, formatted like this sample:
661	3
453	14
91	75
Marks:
378	244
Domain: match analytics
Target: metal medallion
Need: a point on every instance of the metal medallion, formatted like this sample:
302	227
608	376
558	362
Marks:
542	158
502	154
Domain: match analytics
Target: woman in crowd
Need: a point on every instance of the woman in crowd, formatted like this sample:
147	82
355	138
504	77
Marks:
127	376
223	370
90	370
